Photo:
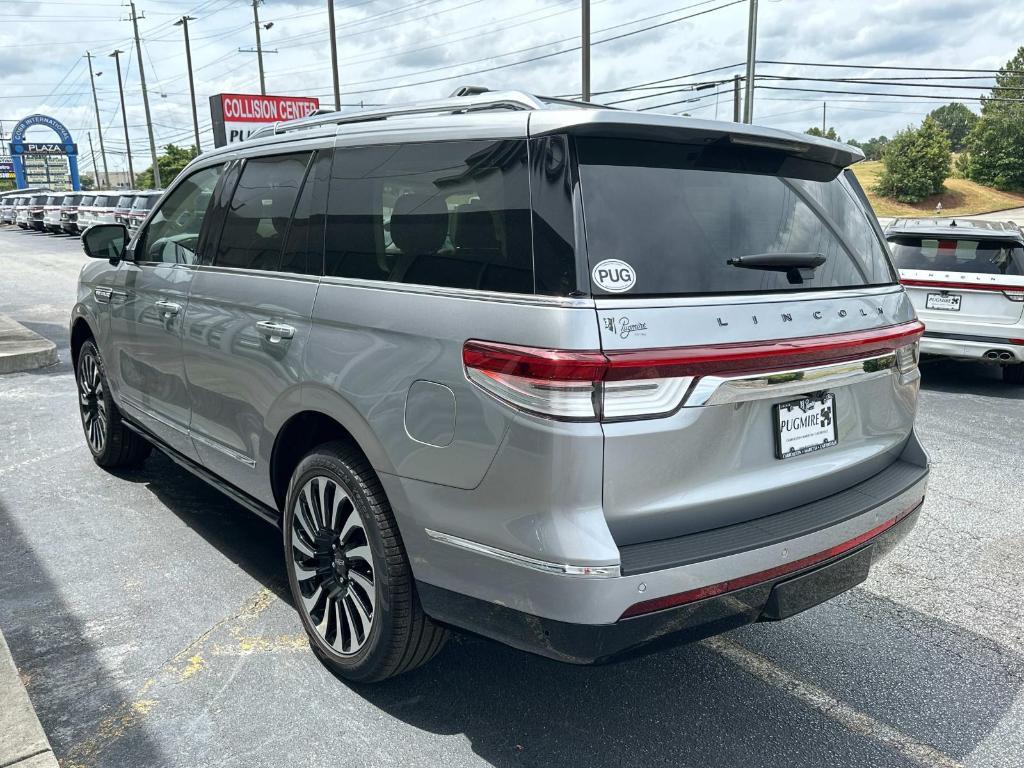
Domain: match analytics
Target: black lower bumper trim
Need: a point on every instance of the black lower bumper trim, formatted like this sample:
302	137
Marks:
968	337
591	644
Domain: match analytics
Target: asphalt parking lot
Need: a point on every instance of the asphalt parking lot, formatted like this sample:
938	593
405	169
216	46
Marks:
150	619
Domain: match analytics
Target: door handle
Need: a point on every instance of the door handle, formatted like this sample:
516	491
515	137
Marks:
168	308
275	331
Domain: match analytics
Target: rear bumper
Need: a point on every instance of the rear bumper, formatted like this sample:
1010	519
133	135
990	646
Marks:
705	564
768	600
968	346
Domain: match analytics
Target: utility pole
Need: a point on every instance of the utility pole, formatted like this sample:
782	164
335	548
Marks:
748	105
585	50
735	98
92	152
99	129
824	106
124	117
334	55
259	45
183	23
145	99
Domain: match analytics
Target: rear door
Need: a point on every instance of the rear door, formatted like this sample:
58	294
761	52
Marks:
751	320
969	280
249	311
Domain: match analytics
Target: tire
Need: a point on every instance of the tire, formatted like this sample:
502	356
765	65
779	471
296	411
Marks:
348	567
1013	374
110	442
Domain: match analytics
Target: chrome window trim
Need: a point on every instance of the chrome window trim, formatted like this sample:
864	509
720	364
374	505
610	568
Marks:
728	300
460	293
544	566
264	273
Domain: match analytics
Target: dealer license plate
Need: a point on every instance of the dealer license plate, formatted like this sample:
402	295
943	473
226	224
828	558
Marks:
806	425
949	302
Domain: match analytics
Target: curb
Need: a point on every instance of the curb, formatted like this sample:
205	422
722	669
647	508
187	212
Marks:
23	350
23	743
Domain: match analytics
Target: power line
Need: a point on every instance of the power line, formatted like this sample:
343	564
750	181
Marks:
885	66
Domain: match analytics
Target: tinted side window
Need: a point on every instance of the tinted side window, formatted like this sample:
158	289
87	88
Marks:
304	247
452	214
173	233
257	219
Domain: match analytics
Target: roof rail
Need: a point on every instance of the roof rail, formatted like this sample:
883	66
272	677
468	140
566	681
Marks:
472	101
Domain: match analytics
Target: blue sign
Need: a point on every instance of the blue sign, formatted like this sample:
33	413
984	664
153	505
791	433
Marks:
66	146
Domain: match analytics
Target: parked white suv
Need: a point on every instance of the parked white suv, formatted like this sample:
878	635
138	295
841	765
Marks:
966	279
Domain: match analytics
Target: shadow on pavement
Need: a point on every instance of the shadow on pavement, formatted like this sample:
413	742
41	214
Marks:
933	681
965	377
50	645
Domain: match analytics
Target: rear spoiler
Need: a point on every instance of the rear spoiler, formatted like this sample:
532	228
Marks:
800	155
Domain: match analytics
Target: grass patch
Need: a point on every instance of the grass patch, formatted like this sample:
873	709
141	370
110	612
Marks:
960	197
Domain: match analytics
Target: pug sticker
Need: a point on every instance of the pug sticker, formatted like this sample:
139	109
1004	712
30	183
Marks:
613	276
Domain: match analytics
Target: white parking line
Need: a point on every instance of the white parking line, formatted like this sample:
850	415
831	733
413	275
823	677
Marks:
828	705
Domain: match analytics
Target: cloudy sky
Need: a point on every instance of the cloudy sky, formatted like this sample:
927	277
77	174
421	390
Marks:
403	50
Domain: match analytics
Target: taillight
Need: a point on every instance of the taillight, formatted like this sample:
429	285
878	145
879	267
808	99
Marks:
1015	295
617	385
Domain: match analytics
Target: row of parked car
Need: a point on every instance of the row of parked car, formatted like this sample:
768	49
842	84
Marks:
73	212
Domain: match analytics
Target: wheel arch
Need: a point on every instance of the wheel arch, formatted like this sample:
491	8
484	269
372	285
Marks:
81	331
304	431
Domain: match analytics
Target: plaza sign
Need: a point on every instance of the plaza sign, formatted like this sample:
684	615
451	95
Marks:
236	116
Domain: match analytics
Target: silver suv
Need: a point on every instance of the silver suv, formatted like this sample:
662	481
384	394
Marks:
582	380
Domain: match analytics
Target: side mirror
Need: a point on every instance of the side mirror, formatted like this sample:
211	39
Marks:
105	241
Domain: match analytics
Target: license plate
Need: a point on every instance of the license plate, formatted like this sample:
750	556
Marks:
950	302
804	426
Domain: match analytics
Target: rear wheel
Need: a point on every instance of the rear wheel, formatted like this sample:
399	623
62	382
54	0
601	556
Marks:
111	443
348	570
1013	374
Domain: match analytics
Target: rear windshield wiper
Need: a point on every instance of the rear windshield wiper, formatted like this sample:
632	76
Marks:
797	266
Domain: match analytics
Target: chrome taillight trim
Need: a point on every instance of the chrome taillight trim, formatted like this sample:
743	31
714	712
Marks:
560	569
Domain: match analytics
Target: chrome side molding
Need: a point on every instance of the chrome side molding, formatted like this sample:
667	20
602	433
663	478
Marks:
561	569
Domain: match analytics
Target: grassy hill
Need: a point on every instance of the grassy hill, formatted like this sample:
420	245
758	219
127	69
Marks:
960	198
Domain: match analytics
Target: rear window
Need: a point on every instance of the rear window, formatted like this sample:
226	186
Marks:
87	200
71	199
143	202
124	201
52	200
987	257
663	223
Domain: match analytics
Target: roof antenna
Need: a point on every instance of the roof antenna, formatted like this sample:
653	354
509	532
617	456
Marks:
952	222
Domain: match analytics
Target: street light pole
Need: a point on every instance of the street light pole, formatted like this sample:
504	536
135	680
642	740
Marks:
585	49
183	23
748	105
145	99
334	55
99	128
124	117
259	45
735	98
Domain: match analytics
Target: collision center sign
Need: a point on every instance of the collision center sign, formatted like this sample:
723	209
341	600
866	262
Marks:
236	115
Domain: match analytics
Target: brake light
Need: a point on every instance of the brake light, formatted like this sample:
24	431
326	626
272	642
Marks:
593	385
1017	295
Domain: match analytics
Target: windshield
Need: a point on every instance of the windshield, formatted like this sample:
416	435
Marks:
654	210
987	257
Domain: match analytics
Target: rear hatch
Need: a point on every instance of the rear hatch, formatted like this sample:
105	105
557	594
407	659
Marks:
970	279
762	353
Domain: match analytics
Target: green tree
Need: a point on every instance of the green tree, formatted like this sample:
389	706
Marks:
87	182
995	146
957	121
171	162
917	163
829	134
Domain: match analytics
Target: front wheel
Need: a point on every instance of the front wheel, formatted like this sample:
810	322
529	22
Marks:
1013	374
111	443
348	571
